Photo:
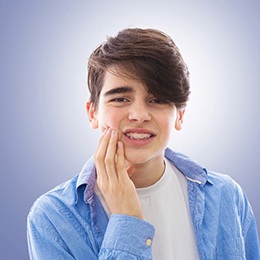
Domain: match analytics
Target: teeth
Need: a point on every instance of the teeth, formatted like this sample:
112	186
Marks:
139	135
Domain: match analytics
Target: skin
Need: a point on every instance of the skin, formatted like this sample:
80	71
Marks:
124	164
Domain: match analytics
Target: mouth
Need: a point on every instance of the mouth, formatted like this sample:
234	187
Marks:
139	134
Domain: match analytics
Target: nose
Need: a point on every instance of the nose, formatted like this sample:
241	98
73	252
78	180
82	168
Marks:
139	112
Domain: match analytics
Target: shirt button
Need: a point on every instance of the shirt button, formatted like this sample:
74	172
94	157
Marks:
148	242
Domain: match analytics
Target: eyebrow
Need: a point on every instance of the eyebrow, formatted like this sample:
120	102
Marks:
119	90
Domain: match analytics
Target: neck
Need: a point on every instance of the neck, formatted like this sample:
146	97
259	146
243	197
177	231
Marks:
148	173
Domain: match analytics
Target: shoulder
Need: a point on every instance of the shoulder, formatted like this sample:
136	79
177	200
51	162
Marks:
63	195
66	198
226	187
222	180
225	184
230	195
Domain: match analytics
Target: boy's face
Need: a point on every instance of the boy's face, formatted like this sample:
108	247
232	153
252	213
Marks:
144	124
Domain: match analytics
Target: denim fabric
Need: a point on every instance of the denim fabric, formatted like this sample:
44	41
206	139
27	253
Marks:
69	221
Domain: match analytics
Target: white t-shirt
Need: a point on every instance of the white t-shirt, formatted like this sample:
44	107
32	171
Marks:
165	205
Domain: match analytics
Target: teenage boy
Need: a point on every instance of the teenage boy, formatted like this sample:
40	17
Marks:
137	199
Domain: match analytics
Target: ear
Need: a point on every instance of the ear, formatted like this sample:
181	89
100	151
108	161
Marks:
179	119
91	111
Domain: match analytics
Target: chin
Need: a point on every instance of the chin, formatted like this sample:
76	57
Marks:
133	157
137	157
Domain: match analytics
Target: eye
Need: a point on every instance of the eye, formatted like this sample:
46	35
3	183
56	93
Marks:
159	101
119	100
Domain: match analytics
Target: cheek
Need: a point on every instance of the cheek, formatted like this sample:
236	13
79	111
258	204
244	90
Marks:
109	119
166	124
167	130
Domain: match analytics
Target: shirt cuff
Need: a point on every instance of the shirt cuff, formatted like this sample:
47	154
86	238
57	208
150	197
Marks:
129	234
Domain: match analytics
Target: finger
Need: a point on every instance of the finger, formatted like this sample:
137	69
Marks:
100	155
130	171
101	139
110	159
120	165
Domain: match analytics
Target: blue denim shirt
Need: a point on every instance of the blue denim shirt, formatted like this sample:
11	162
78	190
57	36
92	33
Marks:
69	221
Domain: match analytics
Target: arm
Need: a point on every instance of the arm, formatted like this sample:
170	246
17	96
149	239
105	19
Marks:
251	240
249	230
248	225
50	238
44	242
128	236
55	233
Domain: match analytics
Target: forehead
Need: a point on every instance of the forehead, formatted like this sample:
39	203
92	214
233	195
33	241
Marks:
114	79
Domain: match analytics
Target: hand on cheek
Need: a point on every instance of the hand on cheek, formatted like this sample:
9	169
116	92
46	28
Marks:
112	176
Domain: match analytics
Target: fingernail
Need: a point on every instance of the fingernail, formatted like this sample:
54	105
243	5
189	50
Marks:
113	132
109	130
104	132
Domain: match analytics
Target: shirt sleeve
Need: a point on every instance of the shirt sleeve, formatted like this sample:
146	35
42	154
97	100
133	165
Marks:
57	235
248	224
50	236
250	233
127	237
44	242
252	241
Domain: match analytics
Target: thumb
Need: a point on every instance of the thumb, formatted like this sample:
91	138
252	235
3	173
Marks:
130	170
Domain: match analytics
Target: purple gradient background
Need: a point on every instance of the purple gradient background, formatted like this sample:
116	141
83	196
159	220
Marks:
45	138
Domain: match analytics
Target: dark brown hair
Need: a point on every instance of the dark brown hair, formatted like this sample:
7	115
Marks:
146	54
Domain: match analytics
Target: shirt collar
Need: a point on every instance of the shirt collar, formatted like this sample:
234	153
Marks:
86	180
191	170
